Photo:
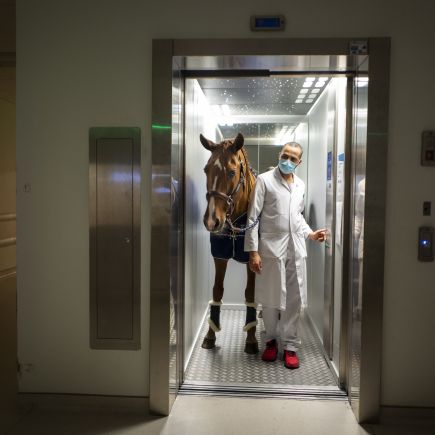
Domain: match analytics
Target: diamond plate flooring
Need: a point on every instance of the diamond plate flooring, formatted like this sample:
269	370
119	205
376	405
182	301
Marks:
229	364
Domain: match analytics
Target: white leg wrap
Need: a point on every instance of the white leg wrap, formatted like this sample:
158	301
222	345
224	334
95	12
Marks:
213	326
250	325
251	316
214	319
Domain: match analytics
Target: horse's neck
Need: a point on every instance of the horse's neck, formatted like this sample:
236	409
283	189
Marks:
241	205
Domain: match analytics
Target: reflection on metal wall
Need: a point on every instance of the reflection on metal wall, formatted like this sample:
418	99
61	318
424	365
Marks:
176	235
331	179
340	236
199	267
359	146
301	136
315	207
114	244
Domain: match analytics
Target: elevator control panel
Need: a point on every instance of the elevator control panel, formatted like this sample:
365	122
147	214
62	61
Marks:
428	148
425	244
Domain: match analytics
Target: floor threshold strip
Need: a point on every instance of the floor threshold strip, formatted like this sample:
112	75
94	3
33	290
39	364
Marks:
262	391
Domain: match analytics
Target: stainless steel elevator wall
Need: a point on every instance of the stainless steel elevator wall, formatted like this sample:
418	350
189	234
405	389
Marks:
199	267
359	150
315	206
342	160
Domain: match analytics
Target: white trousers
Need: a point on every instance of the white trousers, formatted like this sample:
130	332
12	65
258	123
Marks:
284	324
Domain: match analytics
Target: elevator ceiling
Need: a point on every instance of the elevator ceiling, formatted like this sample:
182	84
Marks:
266	110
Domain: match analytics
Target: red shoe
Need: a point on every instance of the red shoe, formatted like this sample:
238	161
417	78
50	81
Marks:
271	351
291	360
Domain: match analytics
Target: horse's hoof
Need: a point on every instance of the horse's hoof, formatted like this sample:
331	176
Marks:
251	348
208	343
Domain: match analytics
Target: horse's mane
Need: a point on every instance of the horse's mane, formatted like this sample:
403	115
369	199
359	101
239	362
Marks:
250	177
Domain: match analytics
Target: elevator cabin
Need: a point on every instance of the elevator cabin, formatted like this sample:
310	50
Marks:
321	102
309	109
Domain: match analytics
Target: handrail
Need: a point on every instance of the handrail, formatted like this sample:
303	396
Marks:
8	273
5	217
10	241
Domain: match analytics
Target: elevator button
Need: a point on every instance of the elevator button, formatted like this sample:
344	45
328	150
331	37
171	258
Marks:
425	244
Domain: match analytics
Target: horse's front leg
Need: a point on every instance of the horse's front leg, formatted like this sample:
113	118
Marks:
251	344
215	304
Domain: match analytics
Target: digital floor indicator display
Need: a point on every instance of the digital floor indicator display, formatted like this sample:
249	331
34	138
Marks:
267	22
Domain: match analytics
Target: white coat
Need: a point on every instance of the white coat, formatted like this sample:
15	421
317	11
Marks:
280	206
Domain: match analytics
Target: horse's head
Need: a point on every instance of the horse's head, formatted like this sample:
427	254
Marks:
225	174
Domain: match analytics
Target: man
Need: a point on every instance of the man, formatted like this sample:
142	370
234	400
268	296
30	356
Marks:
278	253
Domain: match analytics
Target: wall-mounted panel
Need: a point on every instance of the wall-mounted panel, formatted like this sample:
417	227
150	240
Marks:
114	238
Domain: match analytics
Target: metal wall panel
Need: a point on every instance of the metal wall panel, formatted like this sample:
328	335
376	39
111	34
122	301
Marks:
176	300
331	182
367	253
161	393
315	209
114	238
199	266
359	150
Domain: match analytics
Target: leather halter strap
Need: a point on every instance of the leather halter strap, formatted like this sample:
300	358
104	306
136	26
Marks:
229	198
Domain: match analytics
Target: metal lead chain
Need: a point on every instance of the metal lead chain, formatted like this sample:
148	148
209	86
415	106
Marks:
242	229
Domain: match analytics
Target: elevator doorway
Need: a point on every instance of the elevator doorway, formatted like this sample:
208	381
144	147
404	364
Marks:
268	111
171	62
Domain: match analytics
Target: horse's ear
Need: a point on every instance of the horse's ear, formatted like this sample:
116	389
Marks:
238	143
207	144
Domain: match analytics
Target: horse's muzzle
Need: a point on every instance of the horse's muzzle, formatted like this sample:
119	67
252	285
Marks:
214	225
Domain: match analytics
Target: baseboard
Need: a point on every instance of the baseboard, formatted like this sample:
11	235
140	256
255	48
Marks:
69	402
403	415
198	332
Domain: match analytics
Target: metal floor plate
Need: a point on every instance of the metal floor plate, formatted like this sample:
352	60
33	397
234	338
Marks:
228	367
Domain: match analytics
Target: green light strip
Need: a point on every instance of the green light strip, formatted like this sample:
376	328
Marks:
161	127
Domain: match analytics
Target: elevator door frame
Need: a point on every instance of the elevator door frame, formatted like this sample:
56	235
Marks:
162	391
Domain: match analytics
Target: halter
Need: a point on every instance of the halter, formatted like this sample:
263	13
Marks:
229	200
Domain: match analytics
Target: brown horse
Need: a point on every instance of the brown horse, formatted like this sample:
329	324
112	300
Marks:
229	185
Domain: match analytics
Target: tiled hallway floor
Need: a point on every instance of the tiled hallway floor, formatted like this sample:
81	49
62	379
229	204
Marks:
213	416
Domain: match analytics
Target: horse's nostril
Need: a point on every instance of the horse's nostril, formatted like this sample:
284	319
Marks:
216	226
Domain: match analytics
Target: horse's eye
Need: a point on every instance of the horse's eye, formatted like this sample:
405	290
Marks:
231	173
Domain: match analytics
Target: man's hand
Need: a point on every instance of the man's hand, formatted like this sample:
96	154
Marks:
319	235
255	262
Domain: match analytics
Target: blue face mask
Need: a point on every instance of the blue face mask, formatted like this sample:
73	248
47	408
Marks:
287	166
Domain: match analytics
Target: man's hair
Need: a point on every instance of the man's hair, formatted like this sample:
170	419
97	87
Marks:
294	145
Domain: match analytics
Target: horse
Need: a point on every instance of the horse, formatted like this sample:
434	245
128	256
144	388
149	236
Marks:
230	181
